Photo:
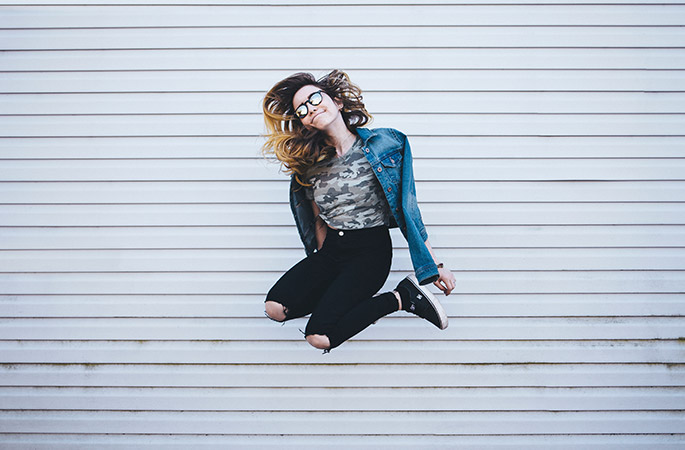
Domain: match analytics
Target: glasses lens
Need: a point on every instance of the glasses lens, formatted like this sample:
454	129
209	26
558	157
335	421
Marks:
301	111
316	98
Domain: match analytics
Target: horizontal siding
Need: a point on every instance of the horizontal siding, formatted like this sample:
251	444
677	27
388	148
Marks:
337	15
396	328
140	228
347	422
216	283
424	353
202	147
278	215
443	80
380	58
215	192
504	125
37	191
342	37
87	261
435	170
350	399
248	305
265	237
283	376
336	442
382	103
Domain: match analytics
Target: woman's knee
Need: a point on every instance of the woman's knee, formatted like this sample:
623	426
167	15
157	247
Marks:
319	341
275	310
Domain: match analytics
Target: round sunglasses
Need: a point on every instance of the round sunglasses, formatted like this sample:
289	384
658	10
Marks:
315	99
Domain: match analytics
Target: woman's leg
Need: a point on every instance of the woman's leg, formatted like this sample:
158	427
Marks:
362	316
348	305
298	291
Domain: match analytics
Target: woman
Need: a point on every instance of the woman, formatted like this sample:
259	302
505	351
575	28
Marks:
349	185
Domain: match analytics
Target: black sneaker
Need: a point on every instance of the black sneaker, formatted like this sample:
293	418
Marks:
421	302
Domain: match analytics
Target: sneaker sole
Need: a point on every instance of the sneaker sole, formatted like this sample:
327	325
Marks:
433	301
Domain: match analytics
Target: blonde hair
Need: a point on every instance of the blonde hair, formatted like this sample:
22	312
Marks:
299	148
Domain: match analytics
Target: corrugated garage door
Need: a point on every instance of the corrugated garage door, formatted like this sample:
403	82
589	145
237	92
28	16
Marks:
140	228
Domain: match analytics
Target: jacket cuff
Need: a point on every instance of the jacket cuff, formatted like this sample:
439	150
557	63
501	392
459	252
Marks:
427	274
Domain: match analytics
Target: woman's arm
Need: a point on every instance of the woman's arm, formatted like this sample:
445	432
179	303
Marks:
320	226
446	281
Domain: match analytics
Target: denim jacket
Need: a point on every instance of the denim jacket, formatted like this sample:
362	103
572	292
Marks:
389	154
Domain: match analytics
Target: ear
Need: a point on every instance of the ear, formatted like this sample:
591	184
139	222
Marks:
338	103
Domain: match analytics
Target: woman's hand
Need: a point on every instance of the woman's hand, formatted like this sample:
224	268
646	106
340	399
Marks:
446	281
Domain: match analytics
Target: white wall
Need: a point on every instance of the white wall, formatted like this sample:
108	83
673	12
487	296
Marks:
140	228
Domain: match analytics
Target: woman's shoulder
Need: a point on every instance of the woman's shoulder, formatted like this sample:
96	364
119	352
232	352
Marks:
382	133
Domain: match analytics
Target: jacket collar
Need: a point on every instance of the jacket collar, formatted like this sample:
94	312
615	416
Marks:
365	134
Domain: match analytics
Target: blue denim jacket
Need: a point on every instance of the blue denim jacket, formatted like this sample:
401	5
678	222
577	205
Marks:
389	154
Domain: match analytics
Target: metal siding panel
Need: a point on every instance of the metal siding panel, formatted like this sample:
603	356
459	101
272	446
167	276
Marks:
426	146
285	237
345	376
257	191
232	214
393	328
422	80
443	170
379	102
277	260
503	125
352	423
357	352
250	305
215	283
342	37
372	398
335	15
383	58
60	441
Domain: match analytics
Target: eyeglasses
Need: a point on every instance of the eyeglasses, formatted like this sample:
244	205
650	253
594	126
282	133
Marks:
315	99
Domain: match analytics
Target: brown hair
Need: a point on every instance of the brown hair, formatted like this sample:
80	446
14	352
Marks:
299	148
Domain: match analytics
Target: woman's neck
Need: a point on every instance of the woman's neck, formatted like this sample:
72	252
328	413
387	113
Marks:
341	138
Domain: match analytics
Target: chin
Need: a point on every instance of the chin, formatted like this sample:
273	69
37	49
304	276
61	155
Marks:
322	121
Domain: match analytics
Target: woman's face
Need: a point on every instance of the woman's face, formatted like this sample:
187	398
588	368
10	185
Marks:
321	115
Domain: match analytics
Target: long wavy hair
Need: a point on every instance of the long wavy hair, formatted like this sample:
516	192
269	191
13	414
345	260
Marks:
299	148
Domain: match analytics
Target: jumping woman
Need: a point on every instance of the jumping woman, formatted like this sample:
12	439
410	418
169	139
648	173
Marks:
349	185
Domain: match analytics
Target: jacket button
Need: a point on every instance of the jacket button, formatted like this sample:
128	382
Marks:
380	169
366	150
389	189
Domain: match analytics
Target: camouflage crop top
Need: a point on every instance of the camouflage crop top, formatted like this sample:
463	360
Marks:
347	192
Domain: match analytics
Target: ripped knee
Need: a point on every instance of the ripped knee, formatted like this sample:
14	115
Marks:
275	311
319	341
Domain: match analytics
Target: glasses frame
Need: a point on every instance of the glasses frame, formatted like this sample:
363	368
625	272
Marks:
309	100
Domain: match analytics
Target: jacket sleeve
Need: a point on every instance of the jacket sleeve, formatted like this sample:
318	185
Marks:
304	216
424	266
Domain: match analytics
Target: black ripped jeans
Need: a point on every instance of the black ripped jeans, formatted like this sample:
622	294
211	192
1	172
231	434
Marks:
337	284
